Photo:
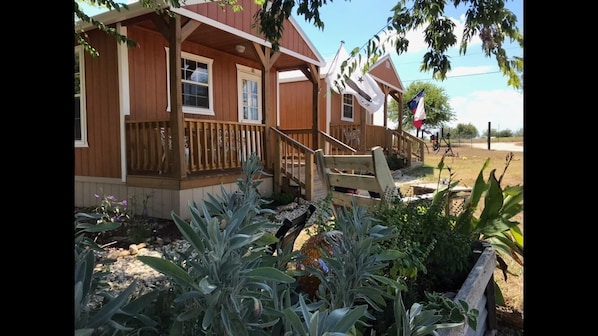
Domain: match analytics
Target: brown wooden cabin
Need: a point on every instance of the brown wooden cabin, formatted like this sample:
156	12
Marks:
176	116
344	125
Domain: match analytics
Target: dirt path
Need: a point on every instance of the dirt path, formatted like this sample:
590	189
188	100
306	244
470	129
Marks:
502	146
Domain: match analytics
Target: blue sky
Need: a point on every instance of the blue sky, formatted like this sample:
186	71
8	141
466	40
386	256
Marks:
477	90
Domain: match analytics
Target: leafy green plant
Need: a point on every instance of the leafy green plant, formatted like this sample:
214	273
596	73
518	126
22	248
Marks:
225	282
139	226
395	162
323	215
354	260
436	257
426	319
113	314
494	224
112	209
282	198
324	322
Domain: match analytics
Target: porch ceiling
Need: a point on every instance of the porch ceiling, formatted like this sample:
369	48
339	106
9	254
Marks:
225	41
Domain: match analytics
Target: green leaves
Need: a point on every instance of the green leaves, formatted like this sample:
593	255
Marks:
323	322
167	268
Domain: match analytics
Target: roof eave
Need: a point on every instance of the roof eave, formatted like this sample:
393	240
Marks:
114	16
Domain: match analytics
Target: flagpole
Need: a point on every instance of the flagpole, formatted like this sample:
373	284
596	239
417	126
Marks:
338	51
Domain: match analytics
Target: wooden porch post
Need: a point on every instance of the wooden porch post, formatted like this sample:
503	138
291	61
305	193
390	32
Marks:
315	79
312	73
362	127
387	137
176	100
267	58
175	34
400	104
386	90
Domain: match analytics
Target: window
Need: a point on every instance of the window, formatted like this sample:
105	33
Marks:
80	113
249	82
347	108
196	77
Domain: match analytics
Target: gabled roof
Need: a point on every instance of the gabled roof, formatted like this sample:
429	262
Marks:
384	72
190	9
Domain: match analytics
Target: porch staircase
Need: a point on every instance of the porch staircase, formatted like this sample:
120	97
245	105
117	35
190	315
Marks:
293	175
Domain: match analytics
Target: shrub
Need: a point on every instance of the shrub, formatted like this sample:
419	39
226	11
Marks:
282	198
110	314
227	283
438	258
395	162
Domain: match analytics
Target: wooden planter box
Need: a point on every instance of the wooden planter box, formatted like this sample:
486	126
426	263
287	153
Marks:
478	292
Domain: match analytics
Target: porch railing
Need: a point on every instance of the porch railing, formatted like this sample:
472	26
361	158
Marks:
296	157
349	134
209	145
407	145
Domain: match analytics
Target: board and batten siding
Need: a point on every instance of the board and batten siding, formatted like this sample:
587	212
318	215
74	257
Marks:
243	20
149	83
102	156
296	105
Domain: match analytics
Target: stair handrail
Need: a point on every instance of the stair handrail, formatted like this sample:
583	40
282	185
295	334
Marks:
292	167
325	137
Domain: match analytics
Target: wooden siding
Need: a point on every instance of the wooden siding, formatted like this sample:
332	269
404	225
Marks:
336	110
296	105
385	71
102	157
244	20
148	78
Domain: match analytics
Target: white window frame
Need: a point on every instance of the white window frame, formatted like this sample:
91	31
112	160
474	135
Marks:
352	106
79	52
250	74
193	109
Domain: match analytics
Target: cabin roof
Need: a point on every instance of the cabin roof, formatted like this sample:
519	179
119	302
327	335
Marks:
232	35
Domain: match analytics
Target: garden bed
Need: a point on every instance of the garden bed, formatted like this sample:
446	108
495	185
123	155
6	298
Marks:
478	292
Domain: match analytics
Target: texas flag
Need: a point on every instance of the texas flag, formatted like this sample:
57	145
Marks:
416	105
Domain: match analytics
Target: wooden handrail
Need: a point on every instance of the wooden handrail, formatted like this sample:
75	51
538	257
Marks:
336	146
296	162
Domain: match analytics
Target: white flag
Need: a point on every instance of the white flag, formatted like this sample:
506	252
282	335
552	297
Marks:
361	86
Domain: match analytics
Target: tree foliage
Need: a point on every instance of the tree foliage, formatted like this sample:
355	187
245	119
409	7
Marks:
505	133
489	20
465	131
438	109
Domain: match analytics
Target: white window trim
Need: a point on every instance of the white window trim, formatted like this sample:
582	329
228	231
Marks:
343	118
83	142
189	109
245	72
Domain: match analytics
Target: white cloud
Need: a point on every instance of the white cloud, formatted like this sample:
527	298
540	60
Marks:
473	70
502	108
